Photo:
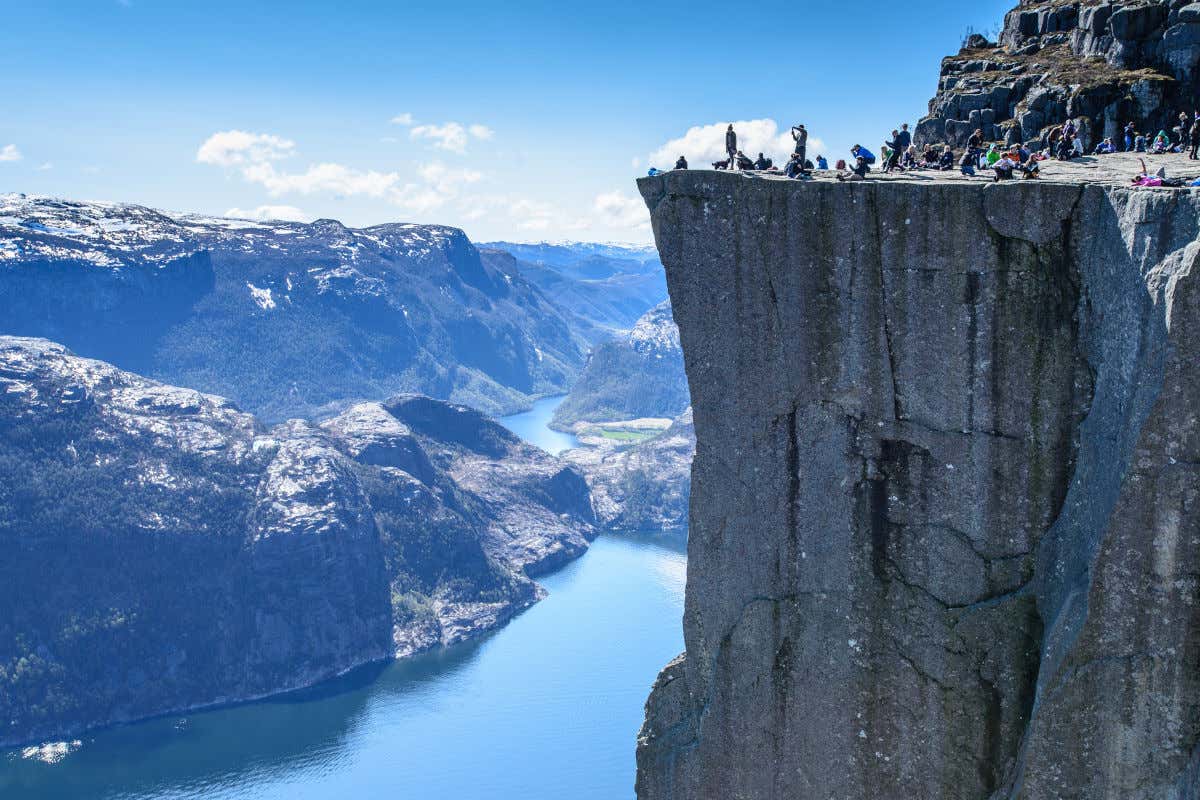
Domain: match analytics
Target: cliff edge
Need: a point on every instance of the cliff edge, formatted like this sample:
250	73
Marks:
944	530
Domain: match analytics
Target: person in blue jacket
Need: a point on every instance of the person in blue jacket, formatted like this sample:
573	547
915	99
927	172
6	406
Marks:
867	155
822	163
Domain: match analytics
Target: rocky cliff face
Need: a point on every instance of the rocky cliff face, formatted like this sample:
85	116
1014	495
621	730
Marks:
286	319
637	374
945	532
1107	63
163	550
644	486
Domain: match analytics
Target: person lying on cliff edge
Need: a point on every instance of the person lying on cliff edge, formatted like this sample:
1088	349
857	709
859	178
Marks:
743	161
681	163
731	145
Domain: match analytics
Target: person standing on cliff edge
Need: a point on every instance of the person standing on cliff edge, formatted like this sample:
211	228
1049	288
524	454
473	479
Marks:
800	135
731	146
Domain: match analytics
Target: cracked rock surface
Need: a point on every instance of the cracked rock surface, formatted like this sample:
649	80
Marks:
944	538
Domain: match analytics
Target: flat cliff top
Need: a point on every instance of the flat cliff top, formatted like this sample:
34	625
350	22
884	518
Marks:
1116	169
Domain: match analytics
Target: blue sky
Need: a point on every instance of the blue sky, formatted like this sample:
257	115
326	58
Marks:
523	121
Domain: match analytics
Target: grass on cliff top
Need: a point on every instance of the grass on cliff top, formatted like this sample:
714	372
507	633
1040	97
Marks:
1057	63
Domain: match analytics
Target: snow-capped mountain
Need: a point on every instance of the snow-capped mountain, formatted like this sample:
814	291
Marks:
286	318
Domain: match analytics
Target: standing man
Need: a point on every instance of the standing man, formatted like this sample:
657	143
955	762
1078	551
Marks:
731	146
1195	133
800	135
904	138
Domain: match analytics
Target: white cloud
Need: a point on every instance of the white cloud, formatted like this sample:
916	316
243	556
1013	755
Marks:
45	166
10	153
264	213
451	136
334	178
254	155
622	211
704	144
404	119
233	148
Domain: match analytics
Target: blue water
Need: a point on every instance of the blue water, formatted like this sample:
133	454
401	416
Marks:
532	426
547	708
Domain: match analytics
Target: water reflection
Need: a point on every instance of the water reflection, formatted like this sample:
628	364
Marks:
547	707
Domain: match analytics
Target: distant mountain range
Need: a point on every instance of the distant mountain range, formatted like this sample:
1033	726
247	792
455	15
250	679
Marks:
607	285
636	374
285	318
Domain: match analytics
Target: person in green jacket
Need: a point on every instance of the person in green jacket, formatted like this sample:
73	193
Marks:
993	156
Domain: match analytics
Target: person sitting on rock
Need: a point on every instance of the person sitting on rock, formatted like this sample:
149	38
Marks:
1023	154
1077	146
993	155
909	159
743	161
794	167
1003	168
681	163
1139	143
1029	171
968	164
841	165
1106	147
859	173
762	163
822	163
1065	149
1161	143
946	159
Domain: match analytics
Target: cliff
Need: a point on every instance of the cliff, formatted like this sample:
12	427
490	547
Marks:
944	533
284	318
1103	63
163	550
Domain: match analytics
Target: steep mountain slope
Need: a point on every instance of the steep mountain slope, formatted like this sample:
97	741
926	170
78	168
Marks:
610	286
164	550
639	374
284	318
944	528
643	486
1104	64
